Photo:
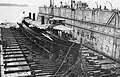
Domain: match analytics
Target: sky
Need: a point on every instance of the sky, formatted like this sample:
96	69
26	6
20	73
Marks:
91	3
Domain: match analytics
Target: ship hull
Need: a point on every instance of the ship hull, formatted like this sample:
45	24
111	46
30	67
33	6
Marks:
58	47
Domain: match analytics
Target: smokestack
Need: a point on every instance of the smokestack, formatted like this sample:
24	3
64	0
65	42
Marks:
30	15
42	20
50	3
33	16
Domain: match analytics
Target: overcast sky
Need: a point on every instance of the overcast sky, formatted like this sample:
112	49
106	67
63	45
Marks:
115	3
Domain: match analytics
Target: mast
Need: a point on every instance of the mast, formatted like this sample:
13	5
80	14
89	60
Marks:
52	6
53	3
52	11
50	3
71	3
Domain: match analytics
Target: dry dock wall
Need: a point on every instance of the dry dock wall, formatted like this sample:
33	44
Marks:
99	28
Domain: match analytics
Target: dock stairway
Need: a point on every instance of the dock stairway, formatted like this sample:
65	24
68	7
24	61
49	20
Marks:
23	58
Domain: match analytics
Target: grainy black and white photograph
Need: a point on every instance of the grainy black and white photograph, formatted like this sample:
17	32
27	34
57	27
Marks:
59	38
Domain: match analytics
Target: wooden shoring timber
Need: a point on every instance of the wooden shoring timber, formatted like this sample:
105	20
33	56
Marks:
1	57
40	75
15	50
14	61
27	76
10	48
14	44
14	54
102	53
15	71
17	39
107	63
1	62
8	66
13	57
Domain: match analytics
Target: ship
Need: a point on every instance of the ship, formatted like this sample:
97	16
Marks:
55	38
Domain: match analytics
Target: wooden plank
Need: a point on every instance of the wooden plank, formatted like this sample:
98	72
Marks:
14	45
1	62
13	54
14	61
13	57
102	53
27	76
11	48
46	74
7	66
15	50
15	71
107	63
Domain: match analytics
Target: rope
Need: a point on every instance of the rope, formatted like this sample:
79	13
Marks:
71	67
64	59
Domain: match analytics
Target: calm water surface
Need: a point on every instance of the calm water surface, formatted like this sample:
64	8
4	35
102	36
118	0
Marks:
14	14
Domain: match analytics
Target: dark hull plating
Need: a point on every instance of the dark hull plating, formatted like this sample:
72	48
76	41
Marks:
58	47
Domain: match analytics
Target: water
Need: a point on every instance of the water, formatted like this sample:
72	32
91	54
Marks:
14	14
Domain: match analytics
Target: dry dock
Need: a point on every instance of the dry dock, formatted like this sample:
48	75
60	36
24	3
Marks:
24	58
24	53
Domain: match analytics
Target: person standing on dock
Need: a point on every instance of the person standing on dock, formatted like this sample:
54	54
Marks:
23	15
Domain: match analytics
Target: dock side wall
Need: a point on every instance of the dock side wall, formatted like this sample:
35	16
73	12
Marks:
92	23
